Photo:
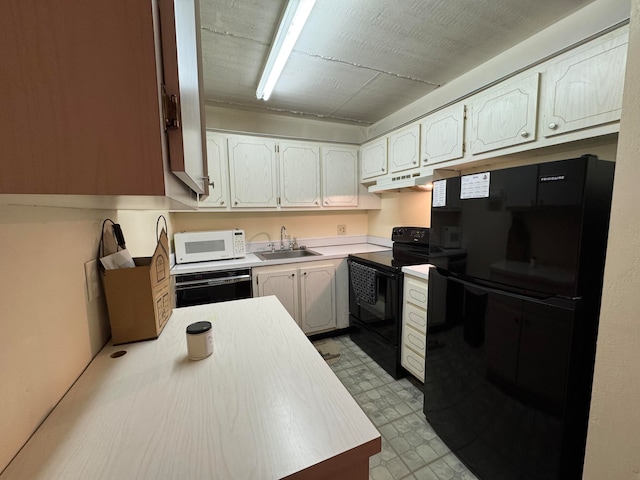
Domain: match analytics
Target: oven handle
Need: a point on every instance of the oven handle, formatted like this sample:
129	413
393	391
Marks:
379	273
214	282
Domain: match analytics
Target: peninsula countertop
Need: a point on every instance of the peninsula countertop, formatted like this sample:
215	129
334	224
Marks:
265	405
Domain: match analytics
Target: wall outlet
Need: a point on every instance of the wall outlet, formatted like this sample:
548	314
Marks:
342	229
92	277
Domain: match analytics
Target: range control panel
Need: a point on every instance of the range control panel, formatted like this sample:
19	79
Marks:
410	235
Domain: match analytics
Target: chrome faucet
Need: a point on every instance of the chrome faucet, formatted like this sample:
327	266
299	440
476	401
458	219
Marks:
283	236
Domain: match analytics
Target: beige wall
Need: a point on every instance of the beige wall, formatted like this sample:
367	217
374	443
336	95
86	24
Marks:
48	330
139	229
613	443
408	208
265	226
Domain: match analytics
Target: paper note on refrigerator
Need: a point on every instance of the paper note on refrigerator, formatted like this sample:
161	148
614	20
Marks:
439	194
475	186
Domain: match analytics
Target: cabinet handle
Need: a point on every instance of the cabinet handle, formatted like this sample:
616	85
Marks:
235	203
293	274
415	161
222	202
553	125
383	169
305	274
524	134
212	184
316	202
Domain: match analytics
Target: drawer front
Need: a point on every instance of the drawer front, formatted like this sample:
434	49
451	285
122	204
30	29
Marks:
415	317
413	362
415	340
415	292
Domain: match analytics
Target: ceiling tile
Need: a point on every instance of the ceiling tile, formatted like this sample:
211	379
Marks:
361	60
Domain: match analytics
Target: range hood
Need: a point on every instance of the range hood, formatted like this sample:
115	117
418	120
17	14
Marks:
414	182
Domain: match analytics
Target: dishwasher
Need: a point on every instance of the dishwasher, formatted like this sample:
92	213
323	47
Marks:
211	287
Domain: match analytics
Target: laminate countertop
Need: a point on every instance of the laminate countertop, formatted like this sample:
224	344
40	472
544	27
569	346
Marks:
326	252
264	405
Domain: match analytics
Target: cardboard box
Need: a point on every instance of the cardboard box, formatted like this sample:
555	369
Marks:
139	299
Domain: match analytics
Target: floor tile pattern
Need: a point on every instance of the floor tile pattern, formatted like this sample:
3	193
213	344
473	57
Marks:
410	448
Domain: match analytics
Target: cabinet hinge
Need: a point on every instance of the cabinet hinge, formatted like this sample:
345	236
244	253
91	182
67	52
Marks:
278	200
277	148
170	110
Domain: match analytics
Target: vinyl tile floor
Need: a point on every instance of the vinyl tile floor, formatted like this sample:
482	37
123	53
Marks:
410	448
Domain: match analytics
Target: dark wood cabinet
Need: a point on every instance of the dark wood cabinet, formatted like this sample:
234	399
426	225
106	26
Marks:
82	109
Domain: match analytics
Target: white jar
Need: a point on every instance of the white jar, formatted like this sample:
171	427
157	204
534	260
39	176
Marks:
199	340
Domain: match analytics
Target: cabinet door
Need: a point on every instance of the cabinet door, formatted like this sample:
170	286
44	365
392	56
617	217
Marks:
415	291
317	304
218	177
91	91
80	113
281	283
299	175
340	176
442	135
252	172
404	149
585	90
182	68
374	159
505	115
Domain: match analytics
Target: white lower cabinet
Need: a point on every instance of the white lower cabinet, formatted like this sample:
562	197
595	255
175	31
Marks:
413	349
307	290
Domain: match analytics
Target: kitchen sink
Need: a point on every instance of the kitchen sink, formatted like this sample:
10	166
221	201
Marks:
284	254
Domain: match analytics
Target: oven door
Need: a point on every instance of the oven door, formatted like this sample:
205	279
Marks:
383	316
212	287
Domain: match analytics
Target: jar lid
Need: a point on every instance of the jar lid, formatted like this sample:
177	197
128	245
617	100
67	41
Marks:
198	327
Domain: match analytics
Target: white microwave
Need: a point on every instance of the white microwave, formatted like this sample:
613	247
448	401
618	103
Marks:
206	246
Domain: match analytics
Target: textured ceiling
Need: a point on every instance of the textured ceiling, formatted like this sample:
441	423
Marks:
358	61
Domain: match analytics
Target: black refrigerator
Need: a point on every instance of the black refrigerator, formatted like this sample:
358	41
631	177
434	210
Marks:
513	315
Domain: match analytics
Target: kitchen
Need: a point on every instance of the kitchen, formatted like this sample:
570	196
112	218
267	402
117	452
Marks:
57	335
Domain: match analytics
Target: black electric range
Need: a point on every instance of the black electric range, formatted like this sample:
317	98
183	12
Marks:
375	295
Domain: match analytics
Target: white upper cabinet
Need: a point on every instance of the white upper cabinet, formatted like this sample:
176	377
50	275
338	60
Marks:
340	176
442	135
253	172
505	115
585	89
373	157
404	149
218	178
299	174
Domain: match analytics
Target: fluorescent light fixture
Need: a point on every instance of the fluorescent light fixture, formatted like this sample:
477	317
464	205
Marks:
294	18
